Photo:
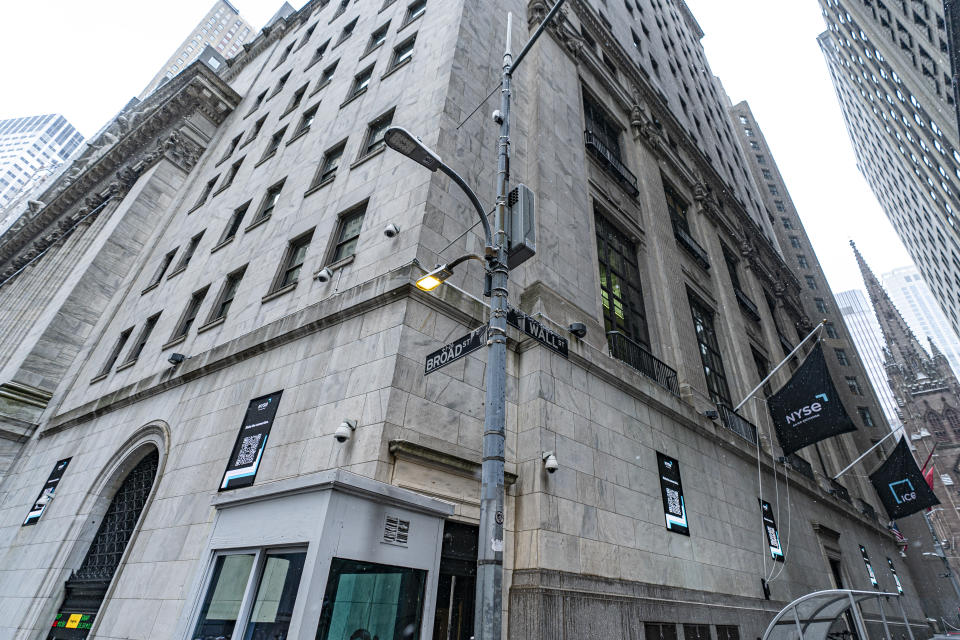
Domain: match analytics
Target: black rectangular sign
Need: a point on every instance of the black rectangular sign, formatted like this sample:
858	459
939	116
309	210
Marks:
896	578
900	485
455	350
770	530
46	494
674	509
245	457
866	561
550	339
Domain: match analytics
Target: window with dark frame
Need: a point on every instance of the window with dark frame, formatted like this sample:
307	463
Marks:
232	147
348	233
728	632
821	305
601	127
236	219
830	330
811	282
274	144
375	131
231	174
414	11
621	292
293	261
710	351
269	201
256	129
865	417
677	208
377	38
732	263
660	631
795	242
802	261
347	32
227	293
115	352
142	338
360	82
297	97
786	222
329	165
403	52
165	263
763	370
284	55
387	3
327	75
258	102
854	385
207	190
308	34
318	53
189	251
306	120
190	313
841	357
696	632
280	84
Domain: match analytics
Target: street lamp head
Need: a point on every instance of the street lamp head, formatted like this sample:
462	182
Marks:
401	140
434	279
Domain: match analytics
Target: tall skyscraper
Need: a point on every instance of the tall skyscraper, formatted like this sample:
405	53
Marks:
30	148
910	294
223	29
890	68
862	324
214	354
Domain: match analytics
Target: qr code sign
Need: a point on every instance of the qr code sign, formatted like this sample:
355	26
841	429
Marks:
773	537
673	502
248	450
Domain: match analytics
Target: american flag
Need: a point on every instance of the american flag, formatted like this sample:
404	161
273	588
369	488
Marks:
901	539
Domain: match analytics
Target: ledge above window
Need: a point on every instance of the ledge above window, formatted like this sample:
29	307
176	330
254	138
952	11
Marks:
211	324
319	186
150	287
177	271
256	223
353	97
279	292
366	157
173	342
223	244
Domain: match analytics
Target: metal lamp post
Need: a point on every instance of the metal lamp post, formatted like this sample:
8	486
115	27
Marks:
488	615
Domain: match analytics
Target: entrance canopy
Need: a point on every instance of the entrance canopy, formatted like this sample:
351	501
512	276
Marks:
811	617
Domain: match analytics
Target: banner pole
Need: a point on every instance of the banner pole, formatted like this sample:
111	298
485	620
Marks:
782	362
861	456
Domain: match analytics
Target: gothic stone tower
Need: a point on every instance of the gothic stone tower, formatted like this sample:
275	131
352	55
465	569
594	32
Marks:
928	398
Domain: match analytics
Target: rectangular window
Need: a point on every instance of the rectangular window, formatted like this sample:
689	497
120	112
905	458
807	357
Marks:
115	352
329	165
231	174
841	357
257	102
786	222
375	131
293	261
306	121
236	219
732	263
189	313
710	352
297	98
696	632
802	261
773	189
748	131
636	40
677	209
754	145
866	417
318	53
308	34
728	632
207	190
414	11
189	251
269	201
795	242
232	147
327	75
284	55
360	82
142	338
660	631
761	159
227	294
403	52
763	369
280	84
256	129
274	144
269	598
811	282
377	38
621	293
830	330
779	205
854	385
347	31
766	174
600	127
382	600
821	305
162	267
348	233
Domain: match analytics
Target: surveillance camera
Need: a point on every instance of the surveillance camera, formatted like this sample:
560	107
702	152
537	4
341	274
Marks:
550	462
324	275
498	116
345	430
712	414
176	358
578	329
391	230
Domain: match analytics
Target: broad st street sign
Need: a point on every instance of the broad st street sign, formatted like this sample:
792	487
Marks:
455	350
550	339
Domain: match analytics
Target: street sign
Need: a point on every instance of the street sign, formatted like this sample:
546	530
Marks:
455	350
548	338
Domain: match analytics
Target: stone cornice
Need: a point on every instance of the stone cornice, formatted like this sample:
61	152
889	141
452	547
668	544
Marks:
134	141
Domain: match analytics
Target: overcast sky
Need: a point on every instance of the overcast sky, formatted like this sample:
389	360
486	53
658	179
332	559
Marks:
89	58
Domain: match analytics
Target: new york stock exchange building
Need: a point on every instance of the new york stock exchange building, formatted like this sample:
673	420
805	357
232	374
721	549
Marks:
216	417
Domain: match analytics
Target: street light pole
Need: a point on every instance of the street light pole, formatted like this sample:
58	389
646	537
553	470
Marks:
939	552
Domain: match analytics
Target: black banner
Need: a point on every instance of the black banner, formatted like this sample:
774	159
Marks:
896	578
770	530
245	458
671	489
46	494
866	561
807	409
900	484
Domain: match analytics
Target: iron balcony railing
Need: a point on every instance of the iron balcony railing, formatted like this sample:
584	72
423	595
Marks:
800	465
612	162
840	491
737	423
690	245
747	304
626	350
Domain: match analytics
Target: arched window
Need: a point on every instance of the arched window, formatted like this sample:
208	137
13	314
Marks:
935	424
86	588
953	420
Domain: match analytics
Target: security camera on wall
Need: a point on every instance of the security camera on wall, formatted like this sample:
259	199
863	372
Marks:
550	462
345	430
391	230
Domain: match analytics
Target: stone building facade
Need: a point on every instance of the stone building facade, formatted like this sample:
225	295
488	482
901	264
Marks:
164	294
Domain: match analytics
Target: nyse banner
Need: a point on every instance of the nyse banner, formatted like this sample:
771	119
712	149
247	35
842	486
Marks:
900	484
896	578
866	561
770	529
46	494
251	441
807	409
674	509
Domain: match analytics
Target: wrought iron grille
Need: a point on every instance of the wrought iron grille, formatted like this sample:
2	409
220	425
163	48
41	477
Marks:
624	349
738	424
118	523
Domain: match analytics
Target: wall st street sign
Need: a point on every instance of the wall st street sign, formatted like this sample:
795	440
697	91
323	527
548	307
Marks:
455	350
550	339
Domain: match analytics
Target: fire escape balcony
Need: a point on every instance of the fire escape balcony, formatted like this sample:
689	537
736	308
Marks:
635	355
738	424
747	304
690	245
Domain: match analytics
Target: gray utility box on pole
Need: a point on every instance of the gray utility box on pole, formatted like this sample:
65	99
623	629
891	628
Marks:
521	226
